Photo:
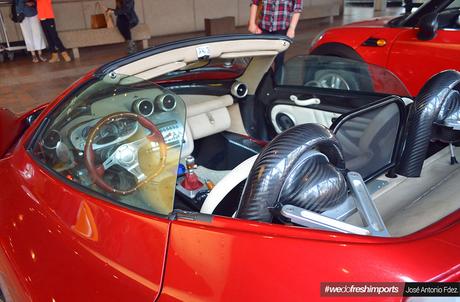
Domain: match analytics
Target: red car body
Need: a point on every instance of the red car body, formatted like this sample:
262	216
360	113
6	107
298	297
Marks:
411	59
59	243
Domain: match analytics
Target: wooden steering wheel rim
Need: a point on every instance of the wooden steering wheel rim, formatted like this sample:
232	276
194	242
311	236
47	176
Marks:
96	173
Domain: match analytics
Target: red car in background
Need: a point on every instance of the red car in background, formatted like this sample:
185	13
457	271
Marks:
414	47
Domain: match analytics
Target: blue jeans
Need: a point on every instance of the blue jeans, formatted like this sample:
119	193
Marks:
279	60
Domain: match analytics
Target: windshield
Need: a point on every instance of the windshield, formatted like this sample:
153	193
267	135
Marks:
120	138
455	4
431	6
340	74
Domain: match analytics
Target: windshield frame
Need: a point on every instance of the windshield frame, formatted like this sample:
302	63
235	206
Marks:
433	6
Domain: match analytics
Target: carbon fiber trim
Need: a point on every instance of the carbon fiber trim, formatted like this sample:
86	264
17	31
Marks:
282	161
314	185
429	106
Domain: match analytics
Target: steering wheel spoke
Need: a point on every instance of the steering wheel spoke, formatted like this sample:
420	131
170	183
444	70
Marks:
109	162
137	172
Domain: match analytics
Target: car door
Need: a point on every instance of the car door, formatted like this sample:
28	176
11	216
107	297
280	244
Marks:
61	238
212	258
415	60
319	89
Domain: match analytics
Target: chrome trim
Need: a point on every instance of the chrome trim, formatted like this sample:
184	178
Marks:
159	102
138	102
236	86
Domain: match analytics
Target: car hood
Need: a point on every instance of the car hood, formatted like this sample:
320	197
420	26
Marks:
375	22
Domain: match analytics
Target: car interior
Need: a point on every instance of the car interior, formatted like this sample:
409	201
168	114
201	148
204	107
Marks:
206	128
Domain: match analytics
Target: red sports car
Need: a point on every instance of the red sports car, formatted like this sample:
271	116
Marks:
414	47
162	177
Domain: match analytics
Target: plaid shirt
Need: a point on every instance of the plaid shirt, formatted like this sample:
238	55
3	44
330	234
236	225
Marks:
276	14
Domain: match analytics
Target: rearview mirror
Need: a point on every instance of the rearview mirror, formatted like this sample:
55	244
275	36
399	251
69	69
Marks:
428	26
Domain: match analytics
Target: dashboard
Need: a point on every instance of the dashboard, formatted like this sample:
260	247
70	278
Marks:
126	123
64	143
159	110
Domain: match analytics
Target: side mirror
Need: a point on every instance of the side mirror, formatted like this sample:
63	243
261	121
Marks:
428	26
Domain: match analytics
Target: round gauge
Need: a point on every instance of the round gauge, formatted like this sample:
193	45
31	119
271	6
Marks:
85	132
166	102
143	107
107	133
51	139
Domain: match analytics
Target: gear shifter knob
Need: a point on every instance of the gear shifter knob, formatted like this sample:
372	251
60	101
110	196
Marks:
190	162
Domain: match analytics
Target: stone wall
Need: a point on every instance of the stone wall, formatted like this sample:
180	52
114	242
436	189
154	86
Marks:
167	17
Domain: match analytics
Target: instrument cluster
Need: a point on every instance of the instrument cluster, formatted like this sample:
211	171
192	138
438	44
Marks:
57	142
108	135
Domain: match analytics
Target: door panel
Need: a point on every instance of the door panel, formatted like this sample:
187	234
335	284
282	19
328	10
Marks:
338	85
65	245
300	115
331	105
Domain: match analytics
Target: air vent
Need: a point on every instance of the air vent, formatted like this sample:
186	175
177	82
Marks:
143	107
239	90
165	102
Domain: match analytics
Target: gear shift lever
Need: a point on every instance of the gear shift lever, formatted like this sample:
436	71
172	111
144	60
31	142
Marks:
191	181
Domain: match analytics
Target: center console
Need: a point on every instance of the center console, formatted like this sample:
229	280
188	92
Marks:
212	158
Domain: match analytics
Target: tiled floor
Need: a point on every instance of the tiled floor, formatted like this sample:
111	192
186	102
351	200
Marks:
24	85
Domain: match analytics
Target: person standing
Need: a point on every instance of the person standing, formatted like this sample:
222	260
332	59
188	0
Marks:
31	29
408	6
126	20
46	16
277	17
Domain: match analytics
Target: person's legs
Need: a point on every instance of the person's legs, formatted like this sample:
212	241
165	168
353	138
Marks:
408	6
279	59
34	57
54	35
123	27
37	33
125	30
28	37
54	42
46	25
279	62
37	37
40	56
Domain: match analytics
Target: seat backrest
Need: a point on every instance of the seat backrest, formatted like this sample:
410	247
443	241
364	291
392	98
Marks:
371	136
432	103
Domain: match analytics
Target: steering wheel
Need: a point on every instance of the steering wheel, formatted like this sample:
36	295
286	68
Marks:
125	155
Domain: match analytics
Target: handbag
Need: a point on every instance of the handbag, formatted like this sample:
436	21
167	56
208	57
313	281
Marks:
15	17
98	20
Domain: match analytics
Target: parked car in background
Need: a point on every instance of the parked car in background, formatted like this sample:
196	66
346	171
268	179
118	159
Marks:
371	2
414	47
415	3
